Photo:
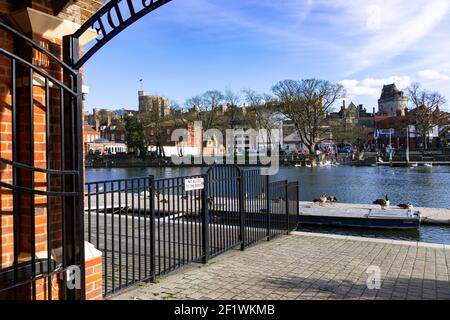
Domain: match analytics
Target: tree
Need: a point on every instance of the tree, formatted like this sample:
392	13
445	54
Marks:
307	103
104	116
259	115
152	125
135	135
205	108
427	113
232	99
354	134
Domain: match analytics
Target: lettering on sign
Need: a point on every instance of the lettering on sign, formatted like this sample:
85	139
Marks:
194	184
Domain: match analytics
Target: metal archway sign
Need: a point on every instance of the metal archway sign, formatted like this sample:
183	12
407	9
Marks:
110	20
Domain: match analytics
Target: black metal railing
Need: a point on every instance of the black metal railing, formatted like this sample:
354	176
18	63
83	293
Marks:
43	174
148	227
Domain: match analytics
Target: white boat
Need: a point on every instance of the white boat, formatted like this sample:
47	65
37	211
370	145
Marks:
298	165
428	165
414	165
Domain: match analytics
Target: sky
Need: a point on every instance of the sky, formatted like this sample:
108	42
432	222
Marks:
190	46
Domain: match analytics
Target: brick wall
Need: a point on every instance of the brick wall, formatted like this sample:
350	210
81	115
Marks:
40	109
6	198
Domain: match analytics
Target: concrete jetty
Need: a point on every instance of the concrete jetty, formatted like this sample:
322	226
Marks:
440	216
429	215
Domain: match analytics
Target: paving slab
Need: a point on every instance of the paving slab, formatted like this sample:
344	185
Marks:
299	266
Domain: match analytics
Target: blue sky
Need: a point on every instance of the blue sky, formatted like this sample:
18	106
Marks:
191	46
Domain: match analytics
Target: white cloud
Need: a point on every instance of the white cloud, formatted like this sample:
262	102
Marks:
430	74
382	30
371	87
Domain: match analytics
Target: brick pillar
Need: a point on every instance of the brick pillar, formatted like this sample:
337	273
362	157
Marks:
39	216
6	197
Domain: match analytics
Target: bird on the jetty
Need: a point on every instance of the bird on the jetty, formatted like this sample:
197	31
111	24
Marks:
261	196
332	199
407	206
322	199
384	203
164	201
276	200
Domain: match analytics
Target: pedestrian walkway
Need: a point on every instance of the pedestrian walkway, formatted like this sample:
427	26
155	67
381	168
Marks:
311	266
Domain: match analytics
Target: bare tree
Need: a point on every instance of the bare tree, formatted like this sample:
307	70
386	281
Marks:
427	113
260	113
232	99
307	103
205	108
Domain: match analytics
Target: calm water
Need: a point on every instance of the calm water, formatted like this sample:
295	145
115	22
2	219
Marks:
426	187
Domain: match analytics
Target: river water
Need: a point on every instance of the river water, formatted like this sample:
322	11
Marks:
423	187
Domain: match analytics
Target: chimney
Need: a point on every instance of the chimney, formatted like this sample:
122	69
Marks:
109	120
97	124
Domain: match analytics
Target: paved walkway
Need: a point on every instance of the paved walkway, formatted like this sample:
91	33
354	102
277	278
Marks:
311	267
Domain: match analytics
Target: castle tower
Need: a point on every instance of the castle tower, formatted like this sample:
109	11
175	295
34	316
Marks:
392	102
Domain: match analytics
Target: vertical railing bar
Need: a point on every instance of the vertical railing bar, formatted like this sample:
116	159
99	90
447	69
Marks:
47	179
113	236
185	222
222	213
133	215
213	230
89	212
287	206
97	205
120	233
171	209
157	193
127	276
241	209
179	221
190	247
32	186
268	211
152	229
63	187
145	180
16	222
205	222
139	227
105	234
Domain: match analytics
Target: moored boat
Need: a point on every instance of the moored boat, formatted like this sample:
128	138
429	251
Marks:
362	218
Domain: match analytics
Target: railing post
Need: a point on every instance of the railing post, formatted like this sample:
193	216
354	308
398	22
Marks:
205	220
152	230
73	158
297	188
268	206
286	188
242	209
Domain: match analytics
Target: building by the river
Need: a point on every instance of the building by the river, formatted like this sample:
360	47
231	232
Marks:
392	102
157	104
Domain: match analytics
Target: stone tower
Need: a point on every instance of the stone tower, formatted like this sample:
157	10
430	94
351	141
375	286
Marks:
392	102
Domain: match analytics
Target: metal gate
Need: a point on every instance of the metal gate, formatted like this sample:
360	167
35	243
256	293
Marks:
149	227
43	175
